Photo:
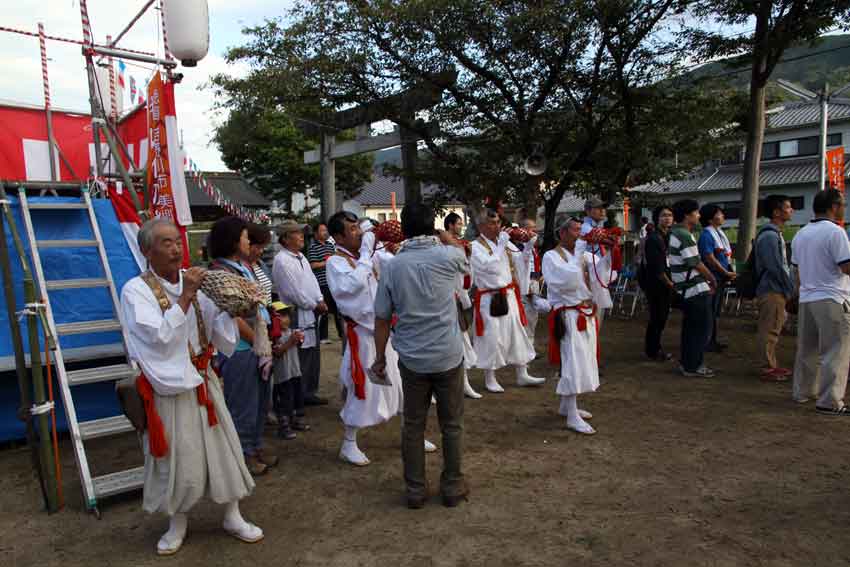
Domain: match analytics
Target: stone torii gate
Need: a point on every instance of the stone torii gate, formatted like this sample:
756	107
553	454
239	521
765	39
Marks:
403	105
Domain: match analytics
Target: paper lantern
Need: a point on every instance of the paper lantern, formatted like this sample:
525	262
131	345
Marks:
187	27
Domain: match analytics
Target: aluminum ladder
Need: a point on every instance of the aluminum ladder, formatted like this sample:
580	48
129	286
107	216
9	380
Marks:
99	487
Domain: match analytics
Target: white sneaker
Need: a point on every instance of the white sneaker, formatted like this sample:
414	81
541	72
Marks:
325	341
246	531
172	540
581	427
526	380
492	384
469	392
351	453
430	447
585	414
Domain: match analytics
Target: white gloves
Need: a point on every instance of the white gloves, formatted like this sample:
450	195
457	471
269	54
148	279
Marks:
504	238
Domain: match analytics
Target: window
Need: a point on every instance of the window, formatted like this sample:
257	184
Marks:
798	147
382	217
770	150
789	148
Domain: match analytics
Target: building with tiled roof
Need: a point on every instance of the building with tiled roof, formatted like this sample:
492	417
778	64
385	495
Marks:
232	185
375	199
790	163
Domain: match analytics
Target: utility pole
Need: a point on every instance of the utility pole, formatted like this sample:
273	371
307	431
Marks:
823	97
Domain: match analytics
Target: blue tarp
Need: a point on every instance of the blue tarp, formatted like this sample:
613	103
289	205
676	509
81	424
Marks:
92	400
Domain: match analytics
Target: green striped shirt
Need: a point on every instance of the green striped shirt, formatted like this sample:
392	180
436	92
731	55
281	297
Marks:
684	258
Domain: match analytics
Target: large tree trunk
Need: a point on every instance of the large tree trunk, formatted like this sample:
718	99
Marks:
755	135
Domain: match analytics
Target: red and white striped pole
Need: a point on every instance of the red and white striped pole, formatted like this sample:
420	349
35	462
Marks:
113	99
166	53
42	44
51	149
84	16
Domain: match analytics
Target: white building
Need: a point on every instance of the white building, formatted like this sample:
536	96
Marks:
790	163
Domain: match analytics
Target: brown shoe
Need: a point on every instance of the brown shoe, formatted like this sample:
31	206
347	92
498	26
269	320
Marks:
452	500
268	459
415	502
255	467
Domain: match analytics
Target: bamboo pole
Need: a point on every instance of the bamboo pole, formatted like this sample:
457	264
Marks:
24	380
48	465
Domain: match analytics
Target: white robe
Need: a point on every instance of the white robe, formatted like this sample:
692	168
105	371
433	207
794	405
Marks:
354	291
201	460
504	341
567	286
470	359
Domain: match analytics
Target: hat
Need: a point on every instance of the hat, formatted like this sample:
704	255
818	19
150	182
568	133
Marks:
288	226
279	306
594	203
562	223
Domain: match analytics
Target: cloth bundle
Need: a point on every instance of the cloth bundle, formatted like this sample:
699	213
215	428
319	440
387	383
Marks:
520	234
389	231
239	298
607	236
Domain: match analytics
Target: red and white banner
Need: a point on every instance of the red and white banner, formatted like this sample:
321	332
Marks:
24	153
166	181
835	168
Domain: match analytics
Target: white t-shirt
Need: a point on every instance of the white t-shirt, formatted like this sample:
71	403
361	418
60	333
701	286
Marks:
818	250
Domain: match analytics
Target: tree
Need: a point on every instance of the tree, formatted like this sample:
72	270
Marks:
573	80
778	25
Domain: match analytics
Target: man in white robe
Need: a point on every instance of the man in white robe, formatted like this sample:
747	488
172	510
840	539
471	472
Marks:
565	269
500	339
191	446
353	282
601	274
453	224
528	278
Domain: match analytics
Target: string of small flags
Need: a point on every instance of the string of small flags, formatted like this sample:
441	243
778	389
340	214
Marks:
222	200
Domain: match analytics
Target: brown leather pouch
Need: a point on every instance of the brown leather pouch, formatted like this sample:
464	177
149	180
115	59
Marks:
131	402
499	304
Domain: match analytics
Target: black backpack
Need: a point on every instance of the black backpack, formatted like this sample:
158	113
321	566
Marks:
749	275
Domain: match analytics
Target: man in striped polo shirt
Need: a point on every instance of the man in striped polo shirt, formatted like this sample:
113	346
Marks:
318	253
695	284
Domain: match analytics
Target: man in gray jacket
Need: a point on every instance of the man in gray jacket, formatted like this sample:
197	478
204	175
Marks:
774	287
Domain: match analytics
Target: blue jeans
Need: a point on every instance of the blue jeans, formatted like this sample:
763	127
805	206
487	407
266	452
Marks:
247	398
696	330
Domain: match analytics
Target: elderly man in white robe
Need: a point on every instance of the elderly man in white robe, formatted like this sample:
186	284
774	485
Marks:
500	320
353	282
573	323
191	446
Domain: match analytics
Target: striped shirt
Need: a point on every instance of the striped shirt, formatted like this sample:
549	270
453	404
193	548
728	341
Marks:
264	281
684	258
318	252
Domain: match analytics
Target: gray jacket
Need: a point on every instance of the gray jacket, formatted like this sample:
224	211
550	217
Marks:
771	266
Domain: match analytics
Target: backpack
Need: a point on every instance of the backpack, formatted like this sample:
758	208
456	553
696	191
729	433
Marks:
748	277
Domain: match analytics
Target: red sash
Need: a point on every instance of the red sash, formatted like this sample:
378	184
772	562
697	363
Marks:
479	293
581	325
157	441
358	375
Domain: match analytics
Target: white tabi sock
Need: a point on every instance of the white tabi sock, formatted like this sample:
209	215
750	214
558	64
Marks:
523	378
237	526
350	452
468	391
171	540
569	407
491	383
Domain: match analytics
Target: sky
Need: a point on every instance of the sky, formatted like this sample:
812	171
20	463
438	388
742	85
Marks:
20	67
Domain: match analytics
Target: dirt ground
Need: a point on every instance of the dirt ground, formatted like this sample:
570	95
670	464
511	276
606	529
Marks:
722	472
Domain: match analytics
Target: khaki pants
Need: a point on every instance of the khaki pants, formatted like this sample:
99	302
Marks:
447	387
823	352
771	320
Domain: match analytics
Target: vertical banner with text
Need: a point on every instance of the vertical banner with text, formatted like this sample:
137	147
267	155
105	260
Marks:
835	168
166	182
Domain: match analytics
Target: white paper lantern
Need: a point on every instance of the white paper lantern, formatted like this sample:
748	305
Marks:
187	27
